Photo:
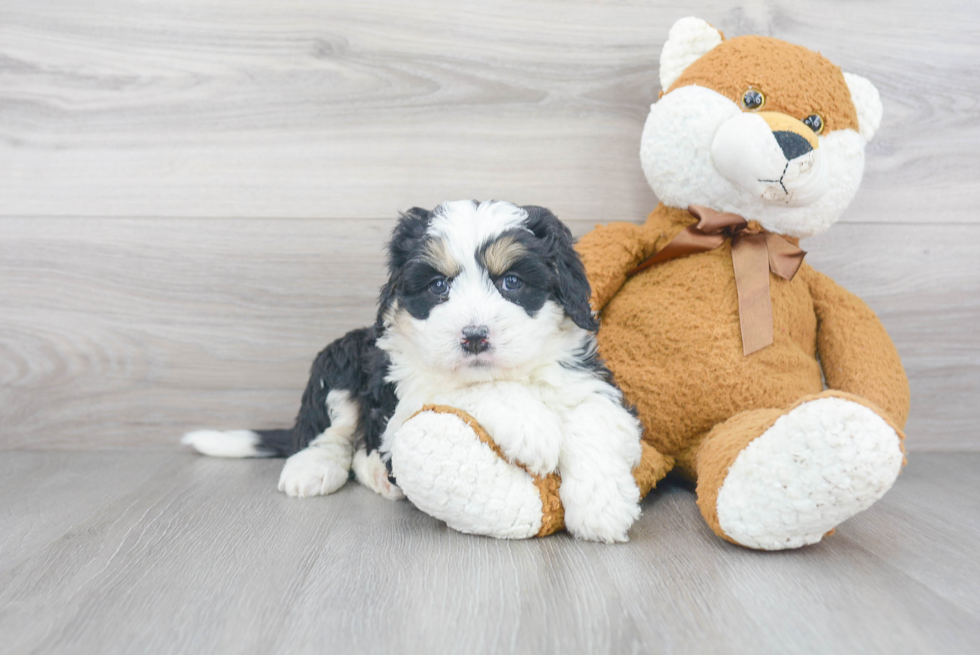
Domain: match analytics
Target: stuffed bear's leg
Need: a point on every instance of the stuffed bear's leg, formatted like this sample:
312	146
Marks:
776	479
441	463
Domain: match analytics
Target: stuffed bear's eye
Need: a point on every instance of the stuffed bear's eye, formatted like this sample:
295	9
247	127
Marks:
814	122
753	99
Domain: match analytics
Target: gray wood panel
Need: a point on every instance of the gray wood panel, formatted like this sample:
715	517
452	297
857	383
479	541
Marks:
203	555
332	109
125	333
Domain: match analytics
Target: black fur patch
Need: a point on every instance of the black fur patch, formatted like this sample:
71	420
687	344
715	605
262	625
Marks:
572	290
414	290
352	363
405	246
549	269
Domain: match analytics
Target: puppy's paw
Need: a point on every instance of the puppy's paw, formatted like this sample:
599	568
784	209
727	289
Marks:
383	486
532	440
372	473
312	472
539	456
600	510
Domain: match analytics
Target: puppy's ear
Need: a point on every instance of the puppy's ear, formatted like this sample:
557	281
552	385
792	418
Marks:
572	289
406	239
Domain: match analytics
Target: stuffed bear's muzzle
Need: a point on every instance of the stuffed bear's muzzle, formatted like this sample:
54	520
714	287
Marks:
772	156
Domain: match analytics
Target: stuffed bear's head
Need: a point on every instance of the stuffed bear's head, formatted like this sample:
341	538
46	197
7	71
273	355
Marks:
757	127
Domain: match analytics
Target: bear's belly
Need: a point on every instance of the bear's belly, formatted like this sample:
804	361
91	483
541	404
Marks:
671	337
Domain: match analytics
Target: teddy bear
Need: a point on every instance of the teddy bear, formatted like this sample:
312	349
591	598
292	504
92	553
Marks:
775	390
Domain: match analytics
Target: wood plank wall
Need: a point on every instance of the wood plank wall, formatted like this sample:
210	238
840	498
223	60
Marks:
194	194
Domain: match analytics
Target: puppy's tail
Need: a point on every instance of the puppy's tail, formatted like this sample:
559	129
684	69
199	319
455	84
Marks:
338	370
241	443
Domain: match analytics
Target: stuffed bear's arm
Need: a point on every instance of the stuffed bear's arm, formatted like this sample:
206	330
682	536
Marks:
611	251
855	351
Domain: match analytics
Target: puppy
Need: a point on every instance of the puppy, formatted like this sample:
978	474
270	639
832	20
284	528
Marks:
486	308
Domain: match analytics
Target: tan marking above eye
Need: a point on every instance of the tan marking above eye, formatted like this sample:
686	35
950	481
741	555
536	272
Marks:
437	255
503	253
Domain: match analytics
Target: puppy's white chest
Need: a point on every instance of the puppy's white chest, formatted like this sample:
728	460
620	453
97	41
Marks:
475	399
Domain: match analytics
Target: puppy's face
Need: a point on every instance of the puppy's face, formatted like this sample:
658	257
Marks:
480	290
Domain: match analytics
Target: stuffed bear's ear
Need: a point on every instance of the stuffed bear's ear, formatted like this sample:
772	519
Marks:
689	38
867	102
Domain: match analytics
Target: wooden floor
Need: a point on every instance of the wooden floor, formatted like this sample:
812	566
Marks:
120	552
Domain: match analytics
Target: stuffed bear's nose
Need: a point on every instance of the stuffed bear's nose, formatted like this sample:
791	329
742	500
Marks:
475	339
792	144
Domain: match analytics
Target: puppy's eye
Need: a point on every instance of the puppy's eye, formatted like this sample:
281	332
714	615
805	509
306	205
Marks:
440	286
753	99
511	283
814	122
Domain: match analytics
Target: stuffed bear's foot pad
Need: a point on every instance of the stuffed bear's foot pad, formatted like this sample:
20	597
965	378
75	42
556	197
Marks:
448	473
817	466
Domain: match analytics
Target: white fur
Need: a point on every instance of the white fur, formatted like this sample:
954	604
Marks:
689	39
543	414
526	428
579	429
323	467
465	225
600	449
230	443
745	151
676	153
817	466
867	102
557	419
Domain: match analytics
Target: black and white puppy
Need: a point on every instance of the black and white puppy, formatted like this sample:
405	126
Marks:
486	308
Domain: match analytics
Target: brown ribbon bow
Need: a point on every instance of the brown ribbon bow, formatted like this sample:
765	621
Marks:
755	252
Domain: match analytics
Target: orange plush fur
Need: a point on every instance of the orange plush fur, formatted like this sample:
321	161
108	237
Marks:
671	333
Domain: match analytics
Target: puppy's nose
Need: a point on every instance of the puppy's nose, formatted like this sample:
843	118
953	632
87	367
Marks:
792	144
475	338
